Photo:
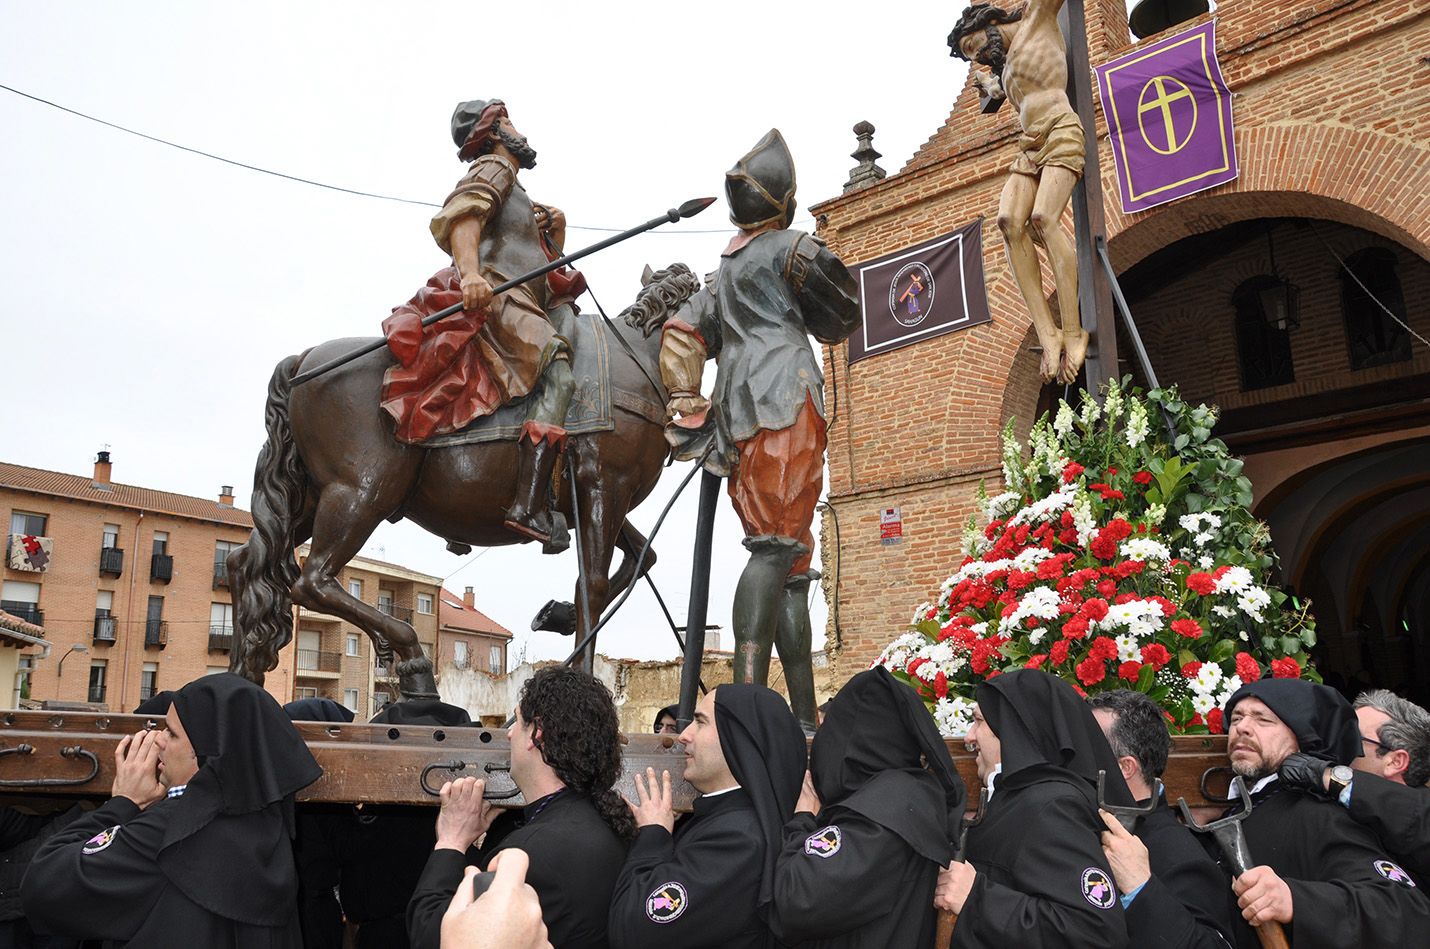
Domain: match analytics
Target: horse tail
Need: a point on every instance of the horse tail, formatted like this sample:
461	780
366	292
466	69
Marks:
262	572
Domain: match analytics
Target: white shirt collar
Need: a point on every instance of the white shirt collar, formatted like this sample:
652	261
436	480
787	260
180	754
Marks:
733	787
992	778
1256	789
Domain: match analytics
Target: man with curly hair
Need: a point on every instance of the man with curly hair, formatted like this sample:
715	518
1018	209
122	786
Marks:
566	759
1023	48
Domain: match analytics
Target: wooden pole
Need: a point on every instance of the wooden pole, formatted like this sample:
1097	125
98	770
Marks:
1094	290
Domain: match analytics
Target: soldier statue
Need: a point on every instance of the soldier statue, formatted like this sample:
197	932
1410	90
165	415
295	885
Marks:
500	349
765	430
1024	49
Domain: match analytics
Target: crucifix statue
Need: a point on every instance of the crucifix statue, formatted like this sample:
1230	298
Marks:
1024	50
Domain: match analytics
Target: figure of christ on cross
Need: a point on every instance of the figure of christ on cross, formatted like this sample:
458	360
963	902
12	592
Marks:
1024	49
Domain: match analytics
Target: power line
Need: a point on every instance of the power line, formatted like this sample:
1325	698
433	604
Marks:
307	181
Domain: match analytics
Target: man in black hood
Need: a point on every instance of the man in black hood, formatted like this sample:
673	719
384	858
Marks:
1323	876
873	826
710	881
1035	874
195	847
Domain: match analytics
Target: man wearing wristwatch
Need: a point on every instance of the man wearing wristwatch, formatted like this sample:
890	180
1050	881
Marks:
1384	787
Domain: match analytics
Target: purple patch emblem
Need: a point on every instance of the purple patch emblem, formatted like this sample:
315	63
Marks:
1097	888
1393	873
100	840
824	843
665	903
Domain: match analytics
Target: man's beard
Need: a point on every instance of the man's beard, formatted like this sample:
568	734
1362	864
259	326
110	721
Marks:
993	54
524	154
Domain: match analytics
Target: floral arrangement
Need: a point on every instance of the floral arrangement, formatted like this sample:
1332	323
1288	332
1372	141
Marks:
1122	554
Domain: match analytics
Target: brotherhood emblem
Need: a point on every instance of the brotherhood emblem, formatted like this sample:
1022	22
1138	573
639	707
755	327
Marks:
1097	888
104	838
665	903
911	293
824	843
1393	873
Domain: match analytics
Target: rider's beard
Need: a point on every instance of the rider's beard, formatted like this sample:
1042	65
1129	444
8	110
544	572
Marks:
524	154
993	55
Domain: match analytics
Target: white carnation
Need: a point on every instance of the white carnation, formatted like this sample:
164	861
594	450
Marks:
1234	580
1127	649
1145	548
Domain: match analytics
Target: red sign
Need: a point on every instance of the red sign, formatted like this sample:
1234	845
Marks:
891	526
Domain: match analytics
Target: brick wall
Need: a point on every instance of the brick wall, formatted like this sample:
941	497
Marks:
1332	109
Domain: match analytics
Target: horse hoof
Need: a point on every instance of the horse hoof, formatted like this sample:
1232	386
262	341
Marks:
556	617
458	548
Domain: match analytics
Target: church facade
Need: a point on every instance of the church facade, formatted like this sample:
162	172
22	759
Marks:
1330	408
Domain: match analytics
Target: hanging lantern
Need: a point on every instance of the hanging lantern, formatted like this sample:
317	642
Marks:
1154	16
1280	298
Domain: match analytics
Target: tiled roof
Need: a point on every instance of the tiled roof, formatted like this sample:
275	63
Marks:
455	614
13	623
59	484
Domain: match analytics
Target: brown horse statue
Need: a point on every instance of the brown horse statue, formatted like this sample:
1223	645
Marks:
331	471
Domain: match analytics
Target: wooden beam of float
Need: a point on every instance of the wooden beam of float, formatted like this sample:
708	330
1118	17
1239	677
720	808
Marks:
72	754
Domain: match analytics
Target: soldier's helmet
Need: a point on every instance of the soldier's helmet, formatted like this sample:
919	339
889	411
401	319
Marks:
474	116
760	188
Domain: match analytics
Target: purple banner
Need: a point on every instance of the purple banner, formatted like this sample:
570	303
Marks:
1169	119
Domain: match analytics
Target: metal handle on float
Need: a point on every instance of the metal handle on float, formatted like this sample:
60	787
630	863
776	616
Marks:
455	766
69	751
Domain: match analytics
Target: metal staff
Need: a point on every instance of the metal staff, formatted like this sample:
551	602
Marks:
689	209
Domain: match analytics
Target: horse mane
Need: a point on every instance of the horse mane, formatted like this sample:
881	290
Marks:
662	294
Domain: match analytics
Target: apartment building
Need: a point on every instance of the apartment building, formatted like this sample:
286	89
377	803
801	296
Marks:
128	584
468	638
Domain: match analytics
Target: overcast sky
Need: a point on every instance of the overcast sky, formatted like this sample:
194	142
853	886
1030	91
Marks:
147	293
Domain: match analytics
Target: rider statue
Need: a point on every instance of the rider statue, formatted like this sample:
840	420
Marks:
501	348
766	427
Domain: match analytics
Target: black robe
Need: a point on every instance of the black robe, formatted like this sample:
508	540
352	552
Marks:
88	882
1188	902
846	881
575	858
697	888
1043	881
1399	816
1342	893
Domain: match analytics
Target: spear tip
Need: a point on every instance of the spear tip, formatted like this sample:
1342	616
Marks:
694	206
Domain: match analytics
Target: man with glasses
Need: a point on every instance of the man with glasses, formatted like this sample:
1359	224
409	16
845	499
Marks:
1384	789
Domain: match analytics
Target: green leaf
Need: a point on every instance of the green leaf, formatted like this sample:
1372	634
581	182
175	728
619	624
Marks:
1223	650
1185	656
1146	678
1291	644
1180	442
1308	637
929	627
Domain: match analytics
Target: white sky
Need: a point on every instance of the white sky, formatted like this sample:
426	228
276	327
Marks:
147	293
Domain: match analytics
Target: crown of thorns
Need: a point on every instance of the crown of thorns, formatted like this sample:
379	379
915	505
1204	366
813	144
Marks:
976	18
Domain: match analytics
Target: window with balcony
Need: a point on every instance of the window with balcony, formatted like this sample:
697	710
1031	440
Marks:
97	670
310	655
21	599
106	627
494	661
148	677
220	627
424	604
161	564
221	551
156	631
111	558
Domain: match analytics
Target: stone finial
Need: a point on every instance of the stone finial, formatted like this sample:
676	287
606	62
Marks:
866	172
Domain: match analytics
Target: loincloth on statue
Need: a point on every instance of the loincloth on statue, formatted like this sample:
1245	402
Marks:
777	481
1055	139
463	367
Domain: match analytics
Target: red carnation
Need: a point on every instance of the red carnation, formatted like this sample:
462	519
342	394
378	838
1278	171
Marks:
1201	583
1168	608
1287	668
1059	653
1157	655
1071	472
1050	569
1068	536
1075	628
913	669
1214	722
1091	671
1018	579
1190	670
1247	667
1107	587
940	686
1095	608
1143	477
1035	661
1189	628
1103	648
1111	472
1129	671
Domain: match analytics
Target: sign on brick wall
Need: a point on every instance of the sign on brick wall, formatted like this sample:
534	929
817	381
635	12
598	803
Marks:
921	292
1169	118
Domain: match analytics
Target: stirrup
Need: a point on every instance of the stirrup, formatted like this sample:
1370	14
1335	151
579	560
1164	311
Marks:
555	539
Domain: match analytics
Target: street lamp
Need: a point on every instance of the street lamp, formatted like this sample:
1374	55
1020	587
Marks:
77	647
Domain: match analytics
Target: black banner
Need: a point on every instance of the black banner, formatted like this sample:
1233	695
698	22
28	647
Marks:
921	292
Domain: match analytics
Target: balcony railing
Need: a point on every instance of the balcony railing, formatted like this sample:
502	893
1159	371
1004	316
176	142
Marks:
312	660
161	568
220	573
96	694
29	612
105	628
156	634
111	561
146	692
220	638
396	612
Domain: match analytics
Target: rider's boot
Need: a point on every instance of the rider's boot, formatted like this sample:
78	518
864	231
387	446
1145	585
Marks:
539	448
793	639
759	597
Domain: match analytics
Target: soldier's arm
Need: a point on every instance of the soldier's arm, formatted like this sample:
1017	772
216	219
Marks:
457	228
